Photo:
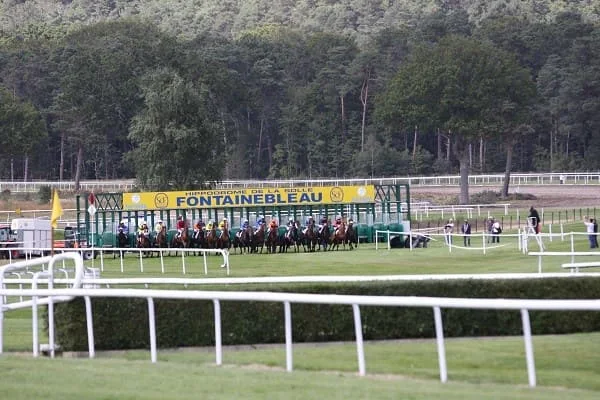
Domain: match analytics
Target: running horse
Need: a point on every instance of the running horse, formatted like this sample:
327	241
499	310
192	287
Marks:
143	242
310	237
258	239
224	241
351	235
244	240
161	238
211	237
197	240
338	236
122	239
272	240
182	241
323	237
291	238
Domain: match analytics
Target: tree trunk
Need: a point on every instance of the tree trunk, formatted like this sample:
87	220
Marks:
464	179
439	144
260	134
364	96
62	157
78	165
343	117
509	155
415	144
481	155
25	168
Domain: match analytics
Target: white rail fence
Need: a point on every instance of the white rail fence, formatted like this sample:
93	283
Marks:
524	306
91	253
124	185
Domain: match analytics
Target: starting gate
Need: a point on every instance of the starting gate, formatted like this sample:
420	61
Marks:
372	207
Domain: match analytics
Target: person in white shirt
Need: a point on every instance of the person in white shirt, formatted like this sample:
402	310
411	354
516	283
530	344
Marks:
448	229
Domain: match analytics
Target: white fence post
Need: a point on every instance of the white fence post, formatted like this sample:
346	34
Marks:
359	340
90	326
528	347
439	335
152	329
288	336
218	342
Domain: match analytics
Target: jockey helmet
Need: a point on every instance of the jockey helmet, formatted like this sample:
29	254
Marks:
245	221
143	223
291	219
123	221
180	217
160	221
224	219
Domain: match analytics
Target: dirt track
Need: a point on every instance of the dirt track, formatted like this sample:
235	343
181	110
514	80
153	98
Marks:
547	195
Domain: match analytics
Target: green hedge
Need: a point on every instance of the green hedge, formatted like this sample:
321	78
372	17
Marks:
123	323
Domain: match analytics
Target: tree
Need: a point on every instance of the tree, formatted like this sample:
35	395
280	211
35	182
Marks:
457	84
177	144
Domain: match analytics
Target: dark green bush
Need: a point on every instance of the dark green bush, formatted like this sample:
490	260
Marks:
123	323
45	194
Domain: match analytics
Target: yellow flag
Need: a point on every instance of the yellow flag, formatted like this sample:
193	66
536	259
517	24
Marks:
57	210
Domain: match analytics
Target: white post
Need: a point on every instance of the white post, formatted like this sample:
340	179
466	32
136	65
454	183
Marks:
389	247
572	248
483	237
183	260
550	231
410	242
51	314
359	340
152	328
288	336
162	261
376	242
101	260
90	326
562	233
439	334
122	255
205	265
218	344
141	262
528	347
34	321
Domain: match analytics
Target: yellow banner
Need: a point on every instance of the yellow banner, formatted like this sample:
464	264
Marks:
301	196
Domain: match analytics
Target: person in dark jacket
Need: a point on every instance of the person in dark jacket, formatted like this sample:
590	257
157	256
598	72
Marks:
534	220
466	231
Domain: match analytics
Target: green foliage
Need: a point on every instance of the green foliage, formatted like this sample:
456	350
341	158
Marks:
45	194
122	323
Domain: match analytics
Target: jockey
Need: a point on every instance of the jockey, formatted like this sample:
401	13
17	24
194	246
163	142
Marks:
123	228
210	225
272	225
245	225
337	223
223	224
322	224
291	223
181	225
259	222
309	222
143	229
200	224
159	226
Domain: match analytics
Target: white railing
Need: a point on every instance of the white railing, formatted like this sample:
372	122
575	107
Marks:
125	185
288	298
47	265
91	253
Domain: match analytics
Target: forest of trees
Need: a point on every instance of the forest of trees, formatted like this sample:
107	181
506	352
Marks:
177	93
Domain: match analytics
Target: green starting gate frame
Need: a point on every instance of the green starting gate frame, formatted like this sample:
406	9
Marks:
391	209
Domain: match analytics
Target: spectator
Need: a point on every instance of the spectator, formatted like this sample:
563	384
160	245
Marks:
466	231
589	224
448	229
489	226
496	231
534	220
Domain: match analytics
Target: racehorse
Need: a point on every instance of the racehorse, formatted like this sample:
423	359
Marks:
143	242
122	239
258	239
161	238
181	241
211	237
197	239
351	235
338	236
272	240
323	238
310	237
243	240
224	241
291	239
